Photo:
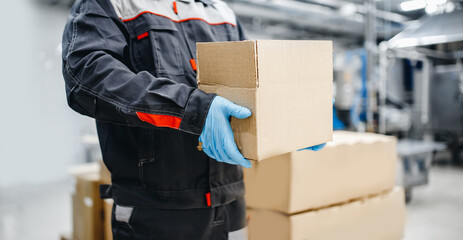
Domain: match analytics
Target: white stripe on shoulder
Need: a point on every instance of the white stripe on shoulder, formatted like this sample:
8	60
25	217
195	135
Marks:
218	13
129	9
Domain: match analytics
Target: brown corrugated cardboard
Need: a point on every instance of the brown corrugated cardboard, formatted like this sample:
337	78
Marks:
105	175
378	218
87	208
286	85
66	236
351	166
108	207
82	169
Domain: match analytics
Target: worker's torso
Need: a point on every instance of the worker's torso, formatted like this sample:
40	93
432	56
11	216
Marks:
162	168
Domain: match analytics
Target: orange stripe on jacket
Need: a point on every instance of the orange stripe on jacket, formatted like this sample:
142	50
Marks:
193	64
177	21
175	8
208	199
160	120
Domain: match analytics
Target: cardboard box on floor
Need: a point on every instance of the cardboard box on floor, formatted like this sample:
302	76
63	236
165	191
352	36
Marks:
105	175
105	178
87	208
108	206
351	166
377	218
66	236
91	215
287	85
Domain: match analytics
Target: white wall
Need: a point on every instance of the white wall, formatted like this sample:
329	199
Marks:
39	133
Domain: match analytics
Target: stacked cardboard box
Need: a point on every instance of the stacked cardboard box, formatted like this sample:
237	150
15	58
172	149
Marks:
91	215
345	191
375	218
107	209
87	208
286	85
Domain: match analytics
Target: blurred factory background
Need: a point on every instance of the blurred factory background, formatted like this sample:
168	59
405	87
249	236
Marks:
397	71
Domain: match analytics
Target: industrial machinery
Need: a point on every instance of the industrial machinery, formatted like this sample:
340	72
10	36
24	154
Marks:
429	90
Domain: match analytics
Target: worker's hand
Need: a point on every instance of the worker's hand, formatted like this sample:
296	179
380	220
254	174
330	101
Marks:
315	148
217	137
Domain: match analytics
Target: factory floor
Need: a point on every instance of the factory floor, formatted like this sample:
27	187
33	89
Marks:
44	212
436	210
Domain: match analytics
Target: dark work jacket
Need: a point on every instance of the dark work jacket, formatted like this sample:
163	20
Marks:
130	64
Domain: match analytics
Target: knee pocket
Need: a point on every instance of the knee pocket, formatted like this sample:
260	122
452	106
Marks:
241	234
123	215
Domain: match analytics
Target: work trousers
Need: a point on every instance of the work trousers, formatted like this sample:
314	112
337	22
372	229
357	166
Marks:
226	222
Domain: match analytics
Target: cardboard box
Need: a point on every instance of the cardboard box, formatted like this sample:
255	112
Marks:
108	208
378	218
65	236
351	166
87	208
84	169
287	85
105	175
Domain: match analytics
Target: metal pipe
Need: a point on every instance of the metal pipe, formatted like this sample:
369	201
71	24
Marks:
427	65
383	68
370	47
309	15
381	14
425	81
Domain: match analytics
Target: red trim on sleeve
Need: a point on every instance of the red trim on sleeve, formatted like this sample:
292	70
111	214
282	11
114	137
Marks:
177	21
208	199
193	64
143	35
175	7
160	120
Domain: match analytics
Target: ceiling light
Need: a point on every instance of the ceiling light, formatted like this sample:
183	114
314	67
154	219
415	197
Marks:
413	5
430	9
436	2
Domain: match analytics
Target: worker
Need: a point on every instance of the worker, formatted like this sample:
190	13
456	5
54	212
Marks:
130	64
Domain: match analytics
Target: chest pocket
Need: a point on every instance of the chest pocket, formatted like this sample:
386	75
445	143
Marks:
156	48
225	32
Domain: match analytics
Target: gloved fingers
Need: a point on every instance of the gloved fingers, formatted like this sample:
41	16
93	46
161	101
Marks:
315	148
214	149
208	152
238	111
223	157
236	156
318	147
221	154
207	148
224	144
238	159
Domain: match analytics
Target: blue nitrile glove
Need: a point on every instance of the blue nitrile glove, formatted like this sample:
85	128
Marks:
316	148
217	137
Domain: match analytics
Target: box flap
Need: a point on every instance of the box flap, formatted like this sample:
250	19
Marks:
234	64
